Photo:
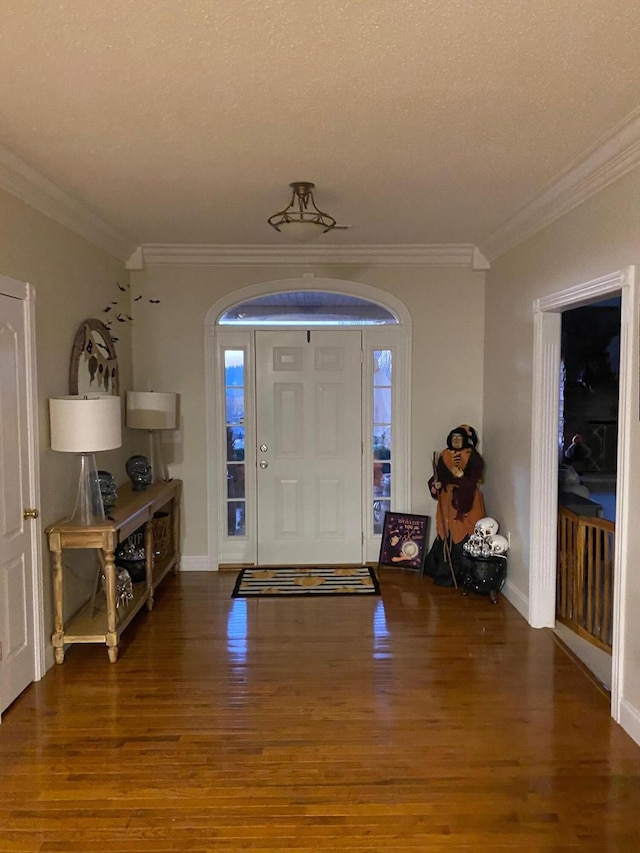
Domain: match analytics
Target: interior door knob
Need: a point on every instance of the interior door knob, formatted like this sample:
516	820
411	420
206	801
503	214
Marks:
264	463
30	513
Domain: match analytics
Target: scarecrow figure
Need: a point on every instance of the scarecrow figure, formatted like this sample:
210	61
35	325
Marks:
457	470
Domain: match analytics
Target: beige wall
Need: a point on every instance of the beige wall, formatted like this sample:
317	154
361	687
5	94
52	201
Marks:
73	280
446	306
599	237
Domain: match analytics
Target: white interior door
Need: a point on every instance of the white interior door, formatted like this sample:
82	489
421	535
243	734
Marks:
309	447
17	645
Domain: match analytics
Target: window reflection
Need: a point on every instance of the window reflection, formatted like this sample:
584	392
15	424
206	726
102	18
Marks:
237	632
381	644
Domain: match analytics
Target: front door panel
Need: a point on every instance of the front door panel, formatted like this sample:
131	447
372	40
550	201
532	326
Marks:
309	420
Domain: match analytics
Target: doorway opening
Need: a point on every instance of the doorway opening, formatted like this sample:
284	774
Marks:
588	437
544	455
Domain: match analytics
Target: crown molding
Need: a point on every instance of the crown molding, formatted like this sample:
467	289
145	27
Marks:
613	156
438	255
33	188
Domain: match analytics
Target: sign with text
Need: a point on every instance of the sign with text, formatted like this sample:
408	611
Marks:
404	540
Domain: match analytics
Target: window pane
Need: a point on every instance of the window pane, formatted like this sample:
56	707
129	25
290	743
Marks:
381	441
235	444
382	405
381	367
235	481
379	509
381	479
235	518
235	405
233	367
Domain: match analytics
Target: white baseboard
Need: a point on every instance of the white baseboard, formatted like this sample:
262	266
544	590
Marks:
630	720
197	564
515	596
49	659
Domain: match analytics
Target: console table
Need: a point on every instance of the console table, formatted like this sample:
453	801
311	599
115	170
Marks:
105	622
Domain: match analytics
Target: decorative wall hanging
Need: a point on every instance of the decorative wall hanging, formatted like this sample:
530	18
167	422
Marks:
94	364
118	313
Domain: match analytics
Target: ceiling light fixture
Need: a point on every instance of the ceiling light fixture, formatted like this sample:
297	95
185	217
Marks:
302	221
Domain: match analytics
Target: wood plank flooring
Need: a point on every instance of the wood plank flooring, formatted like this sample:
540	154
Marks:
417	721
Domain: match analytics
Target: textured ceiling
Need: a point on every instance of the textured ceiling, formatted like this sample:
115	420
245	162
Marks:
420	121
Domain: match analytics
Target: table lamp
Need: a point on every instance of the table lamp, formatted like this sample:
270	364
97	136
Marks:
153	411
86	424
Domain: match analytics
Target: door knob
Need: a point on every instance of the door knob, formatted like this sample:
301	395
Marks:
264	463
30	513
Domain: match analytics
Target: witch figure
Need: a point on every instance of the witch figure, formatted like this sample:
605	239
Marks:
457	471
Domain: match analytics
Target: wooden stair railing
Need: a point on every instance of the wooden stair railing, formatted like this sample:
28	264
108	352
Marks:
584	593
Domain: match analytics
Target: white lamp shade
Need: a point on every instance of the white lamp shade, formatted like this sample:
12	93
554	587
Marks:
85	423
151	410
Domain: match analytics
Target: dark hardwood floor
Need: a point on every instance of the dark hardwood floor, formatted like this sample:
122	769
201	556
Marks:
418	721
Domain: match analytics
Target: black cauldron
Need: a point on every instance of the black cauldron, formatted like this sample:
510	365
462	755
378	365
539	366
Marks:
484	575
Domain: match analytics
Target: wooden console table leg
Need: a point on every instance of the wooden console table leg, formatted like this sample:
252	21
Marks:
57	639
110	576
99	574
175	523
149	560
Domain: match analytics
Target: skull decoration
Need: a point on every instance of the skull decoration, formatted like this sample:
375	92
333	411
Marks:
486	527
124	589
476	546
485	540
108	490
499	544
139	472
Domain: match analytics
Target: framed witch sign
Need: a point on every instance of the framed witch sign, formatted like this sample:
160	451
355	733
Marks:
404	541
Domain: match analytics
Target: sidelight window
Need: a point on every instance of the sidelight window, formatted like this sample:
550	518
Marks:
382	456
235	399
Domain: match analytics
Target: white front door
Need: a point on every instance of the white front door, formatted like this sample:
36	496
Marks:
17	646
309	440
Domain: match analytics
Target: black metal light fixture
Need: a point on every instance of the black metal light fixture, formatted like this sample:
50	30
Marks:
302	220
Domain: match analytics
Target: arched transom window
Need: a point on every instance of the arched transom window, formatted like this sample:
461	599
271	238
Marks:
307	308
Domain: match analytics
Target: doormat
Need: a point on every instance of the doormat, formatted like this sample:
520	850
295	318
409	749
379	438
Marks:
309	580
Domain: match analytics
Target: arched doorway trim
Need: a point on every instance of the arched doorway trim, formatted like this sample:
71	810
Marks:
394	337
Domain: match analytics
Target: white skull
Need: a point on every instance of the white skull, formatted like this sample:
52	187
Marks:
499	544
473	545
486	527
